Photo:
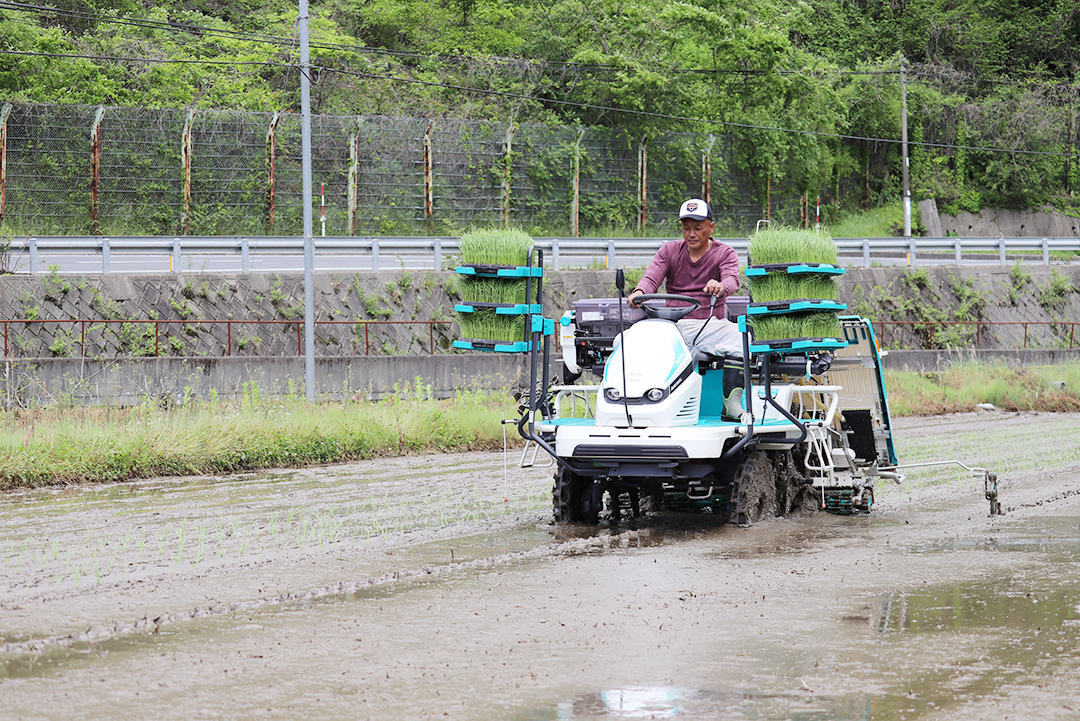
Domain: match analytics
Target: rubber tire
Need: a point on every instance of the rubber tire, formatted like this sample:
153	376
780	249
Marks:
576	499
794	492
753	491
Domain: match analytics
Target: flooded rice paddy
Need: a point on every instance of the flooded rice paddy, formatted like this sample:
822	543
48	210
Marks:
437	587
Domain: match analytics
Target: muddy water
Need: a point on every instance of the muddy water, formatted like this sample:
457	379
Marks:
437	587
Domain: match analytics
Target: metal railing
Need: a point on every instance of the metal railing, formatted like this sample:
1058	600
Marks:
929	328
83	323
31	254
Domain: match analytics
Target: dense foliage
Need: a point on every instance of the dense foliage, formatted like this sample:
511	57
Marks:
807	90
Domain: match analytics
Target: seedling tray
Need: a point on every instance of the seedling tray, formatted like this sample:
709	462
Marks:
793	268
500	271
799	305
500	308
796	345
495	346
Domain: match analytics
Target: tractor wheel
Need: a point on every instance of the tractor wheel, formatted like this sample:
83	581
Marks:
794	492
576	498
753	491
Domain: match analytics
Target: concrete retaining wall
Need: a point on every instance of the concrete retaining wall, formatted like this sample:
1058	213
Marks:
168	381
107	360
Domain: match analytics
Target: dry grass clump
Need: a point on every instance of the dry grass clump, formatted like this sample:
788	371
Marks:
61	446
962	387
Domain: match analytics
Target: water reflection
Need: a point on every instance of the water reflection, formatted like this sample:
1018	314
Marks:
671	702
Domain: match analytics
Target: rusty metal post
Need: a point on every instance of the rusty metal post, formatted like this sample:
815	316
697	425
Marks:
706	171
354	175
429	191
643	185
185	155
575	207
507	172
4	113
95	170
271	171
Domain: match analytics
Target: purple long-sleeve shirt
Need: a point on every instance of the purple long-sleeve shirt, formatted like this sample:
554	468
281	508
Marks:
684	277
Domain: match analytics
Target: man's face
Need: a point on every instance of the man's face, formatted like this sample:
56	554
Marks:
696	232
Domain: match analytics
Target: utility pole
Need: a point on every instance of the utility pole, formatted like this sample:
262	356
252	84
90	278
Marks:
904	151
309	220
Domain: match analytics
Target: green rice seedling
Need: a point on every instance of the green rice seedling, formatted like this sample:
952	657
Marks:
492	290
777	244
788	286
486	325
797	325
491	246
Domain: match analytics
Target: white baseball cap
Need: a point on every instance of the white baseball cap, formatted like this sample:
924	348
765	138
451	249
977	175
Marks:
695	209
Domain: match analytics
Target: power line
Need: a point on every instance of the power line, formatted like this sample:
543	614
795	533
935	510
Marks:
568	103
922	69
685	118
521	96
288	42
163	61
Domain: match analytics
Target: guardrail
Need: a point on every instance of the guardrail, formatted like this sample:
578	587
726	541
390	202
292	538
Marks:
31	253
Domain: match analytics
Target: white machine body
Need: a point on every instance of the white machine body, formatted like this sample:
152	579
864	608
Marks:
659	388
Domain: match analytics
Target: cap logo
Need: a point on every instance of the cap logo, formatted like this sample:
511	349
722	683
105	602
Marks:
691	207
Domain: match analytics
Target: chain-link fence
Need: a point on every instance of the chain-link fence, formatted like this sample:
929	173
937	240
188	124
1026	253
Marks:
78	170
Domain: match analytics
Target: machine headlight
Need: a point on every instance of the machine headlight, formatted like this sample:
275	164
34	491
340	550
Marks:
612	394
654	394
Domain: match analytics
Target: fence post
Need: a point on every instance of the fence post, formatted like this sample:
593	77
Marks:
643	184
610	253
575	205
429	182
706	170
956	251
1046	251
33	255
354	175
1001	250
4	113
438	253
507	171
105	256
95	170
555	254
271	171
245	255
185	154
375	253
175	260
911	252
866	252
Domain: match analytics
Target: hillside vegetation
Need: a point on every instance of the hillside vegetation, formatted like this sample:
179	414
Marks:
807	91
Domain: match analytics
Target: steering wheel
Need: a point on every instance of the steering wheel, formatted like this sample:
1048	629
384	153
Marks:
664	312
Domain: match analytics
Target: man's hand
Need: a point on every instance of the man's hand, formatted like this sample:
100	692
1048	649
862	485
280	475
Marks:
633	295
714	287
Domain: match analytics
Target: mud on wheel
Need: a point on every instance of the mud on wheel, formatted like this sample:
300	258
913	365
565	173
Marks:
575	498
753	491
